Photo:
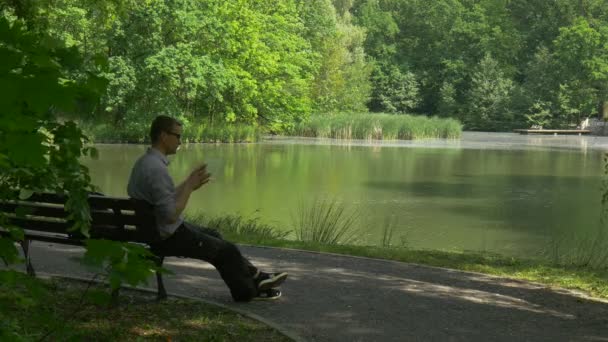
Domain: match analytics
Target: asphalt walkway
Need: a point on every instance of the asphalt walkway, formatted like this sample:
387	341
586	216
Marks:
341	298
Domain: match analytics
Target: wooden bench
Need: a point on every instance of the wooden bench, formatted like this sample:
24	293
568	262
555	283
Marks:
117	219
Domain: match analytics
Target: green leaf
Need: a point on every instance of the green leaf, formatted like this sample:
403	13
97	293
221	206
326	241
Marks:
98	297
17	234
25	194
8	277
22	211
8	251
121	262
115	281
27	149
9	60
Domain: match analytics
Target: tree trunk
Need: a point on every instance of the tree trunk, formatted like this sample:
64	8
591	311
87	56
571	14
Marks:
604	110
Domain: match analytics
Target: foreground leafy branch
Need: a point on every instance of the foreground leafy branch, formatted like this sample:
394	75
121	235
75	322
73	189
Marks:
40	151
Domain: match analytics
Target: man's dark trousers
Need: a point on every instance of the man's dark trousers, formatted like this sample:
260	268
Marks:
208	245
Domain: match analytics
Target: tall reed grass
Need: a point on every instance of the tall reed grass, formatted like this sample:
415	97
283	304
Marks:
572	250
378	127
388	230
221	133
326	221
194	132
590	250
238	228
130	132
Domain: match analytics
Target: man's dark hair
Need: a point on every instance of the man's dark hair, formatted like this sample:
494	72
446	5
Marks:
161	124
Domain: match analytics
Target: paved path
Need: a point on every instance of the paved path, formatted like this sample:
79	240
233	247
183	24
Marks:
339	298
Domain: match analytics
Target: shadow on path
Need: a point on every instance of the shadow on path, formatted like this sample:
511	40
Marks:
339	298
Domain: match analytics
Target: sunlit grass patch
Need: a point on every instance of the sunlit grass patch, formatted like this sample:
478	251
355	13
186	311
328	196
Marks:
62	313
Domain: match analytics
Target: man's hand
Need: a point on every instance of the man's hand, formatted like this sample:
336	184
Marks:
195	180
199	177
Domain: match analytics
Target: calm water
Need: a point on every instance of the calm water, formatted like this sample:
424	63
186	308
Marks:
505	193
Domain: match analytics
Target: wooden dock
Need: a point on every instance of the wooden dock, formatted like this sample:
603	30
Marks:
552	131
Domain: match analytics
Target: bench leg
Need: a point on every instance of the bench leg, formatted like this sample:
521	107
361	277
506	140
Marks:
114	297
162	293
25	245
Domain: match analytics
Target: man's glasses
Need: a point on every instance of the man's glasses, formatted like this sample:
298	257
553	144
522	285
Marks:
178	136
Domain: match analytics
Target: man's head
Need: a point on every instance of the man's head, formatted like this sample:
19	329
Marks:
165	134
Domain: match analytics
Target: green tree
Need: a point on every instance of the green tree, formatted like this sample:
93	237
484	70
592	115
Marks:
396	91
209	59
488	98
581	60
448	105
122	82
440	42
37	153
569	80
39	149
341	78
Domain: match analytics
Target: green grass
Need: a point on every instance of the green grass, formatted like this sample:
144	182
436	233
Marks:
235	227
326	221
378	127
62	313
589	250
127	132
365	126
194	132
388	229
591	280
225	133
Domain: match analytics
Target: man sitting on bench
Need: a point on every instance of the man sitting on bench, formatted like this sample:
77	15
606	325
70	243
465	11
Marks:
150	181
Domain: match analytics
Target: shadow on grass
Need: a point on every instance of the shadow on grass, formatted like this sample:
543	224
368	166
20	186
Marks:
61	315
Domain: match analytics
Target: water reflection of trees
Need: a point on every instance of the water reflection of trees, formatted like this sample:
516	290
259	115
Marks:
536	192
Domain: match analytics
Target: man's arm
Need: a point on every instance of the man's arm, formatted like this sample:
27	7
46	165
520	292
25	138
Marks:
197	178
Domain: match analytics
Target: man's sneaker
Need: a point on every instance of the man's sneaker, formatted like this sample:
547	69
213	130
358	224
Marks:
267	281
270	294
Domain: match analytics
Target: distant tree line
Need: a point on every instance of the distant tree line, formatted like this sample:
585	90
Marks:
492	64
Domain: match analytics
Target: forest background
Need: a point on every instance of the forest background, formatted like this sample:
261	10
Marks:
493	65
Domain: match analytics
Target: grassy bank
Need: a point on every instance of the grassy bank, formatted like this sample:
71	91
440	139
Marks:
63	313
132	132
338	126
593	281
378	127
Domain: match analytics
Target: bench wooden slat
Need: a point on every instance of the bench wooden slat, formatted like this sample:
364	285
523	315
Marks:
95	201
107	217
99	231
34	209
103	202
122	235
111	218
105	233
121	219
65	239
40	225
47	198
56	238
117	219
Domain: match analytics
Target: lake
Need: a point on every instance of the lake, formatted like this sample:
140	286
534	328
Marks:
498	192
